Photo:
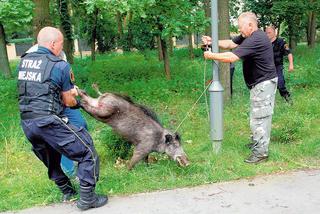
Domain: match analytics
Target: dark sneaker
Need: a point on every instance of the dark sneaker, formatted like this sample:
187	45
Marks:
288	99
256	159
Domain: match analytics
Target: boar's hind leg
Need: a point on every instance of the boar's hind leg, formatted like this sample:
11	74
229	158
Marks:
96	88
138	155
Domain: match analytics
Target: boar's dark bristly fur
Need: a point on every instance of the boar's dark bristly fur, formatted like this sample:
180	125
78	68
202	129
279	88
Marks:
136	123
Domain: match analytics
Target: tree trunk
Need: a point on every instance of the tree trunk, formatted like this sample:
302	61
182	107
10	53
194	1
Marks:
197	39
41	16
292	37
4	61
170	41
278	30
292	42
77	29
191	54
207	11
130	36
160	53
80	48
166	58
66	27
311	32
68	47
94	34
224	33
120	28
293	28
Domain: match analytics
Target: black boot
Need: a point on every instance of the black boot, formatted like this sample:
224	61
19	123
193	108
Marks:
68	191
89	199
288	99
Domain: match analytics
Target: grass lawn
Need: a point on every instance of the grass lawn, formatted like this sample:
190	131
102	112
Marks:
295	141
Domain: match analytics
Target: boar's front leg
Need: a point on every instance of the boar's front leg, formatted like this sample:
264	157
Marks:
139	153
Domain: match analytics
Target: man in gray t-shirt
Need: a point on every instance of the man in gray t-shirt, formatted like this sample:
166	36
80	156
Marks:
255	50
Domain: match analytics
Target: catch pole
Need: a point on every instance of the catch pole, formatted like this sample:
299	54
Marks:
215	89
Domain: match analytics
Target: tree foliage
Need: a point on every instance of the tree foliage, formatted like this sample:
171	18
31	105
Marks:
294	17
41	16
263	10
14	15
129	24
67	29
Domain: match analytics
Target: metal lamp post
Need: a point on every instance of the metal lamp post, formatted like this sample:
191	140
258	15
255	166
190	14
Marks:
215	89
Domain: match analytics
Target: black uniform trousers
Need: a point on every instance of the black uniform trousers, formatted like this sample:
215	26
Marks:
50	137
281	82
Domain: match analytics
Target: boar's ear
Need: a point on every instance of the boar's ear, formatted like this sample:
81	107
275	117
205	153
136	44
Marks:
169	138
178	138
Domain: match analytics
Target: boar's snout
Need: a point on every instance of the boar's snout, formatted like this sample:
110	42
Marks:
182	160
175	150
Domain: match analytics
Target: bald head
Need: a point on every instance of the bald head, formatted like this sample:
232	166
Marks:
249	17
248	23
51	38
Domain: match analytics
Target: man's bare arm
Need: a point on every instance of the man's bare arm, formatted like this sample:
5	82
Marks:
224	44
290	58
223	57
68	97
227	44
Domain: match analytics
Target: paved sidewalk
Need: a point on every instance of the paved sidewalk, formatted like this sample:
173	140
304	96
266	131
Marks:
293	193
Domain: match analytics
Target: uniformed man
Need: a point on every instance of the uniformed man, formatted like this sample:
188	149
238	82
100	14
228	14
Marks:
280	49
255	50
74	117
45	87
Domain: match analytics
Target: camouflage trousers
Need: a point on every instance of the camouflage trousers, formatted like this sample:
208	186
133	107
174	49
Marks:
262	103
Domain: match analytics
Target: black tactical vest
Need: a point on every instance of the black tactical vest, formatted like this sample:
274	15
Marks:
38	96
278	50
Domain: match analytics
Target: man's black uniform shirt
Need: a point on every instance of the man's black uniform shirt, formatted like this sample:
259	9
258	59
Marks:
280	49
